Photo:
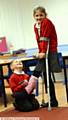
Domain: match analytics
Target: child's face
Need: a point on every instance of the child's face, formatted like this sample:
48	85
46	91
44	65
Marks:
39	16
16	65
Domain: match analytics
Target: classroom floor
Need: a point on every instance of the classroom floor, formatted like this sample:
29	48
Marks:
60	94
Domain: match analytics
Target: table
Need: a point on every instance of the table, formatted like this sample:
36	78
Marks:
61	48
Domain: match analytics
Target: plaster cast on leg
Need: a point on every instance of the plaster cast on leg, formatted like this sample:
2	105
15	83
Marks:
31	84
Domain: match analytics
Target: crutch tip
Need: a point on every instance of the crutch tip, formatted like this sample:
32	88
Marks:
49	108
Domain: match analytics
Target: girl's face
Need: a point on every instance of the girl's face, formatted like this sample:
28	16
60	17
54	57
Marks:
16	64
39	16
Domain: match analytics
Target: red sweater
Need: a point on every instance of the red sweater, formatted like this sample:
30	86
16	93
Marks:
47	31
15	80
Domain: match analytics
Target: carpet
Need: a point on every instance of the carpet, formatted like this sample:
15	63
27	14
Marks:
42	114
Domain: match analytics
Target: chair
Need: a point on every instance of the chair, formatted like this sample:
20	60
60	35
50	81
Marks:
0	88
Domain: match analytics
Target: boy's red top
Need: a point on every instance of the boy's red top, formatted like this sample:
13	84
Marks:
15	81
47	32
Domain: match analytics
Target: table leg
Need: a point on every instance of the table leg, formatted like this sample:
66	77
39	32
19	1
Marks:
65	77
3	87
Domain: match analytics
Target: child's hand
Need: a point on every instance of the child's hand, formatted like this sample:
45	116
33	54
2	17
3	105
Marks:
25	83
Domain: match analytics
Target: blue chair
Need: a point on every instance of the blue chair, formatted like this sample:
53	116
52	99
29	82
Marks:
1	88
60	59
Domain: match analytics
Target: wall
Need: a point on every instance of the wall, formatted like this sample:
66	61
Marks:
16	20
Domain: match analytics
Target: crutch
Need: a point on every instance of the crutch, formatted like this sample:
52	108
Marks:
47	75
48	89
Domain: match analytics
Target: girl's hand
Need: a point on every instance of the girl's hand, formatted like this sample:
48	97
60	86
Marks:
41	55
24	83
35	55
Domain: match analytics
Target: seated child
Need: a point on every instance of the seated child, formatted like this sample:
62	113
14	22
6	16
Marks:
22	87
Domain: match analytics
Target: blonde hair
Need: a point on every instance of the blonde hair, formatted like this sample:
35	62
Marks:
11	65
42	9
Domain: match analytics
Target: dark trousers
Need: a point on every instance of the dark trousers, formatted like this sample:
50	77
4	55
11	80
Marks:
41	67
25	102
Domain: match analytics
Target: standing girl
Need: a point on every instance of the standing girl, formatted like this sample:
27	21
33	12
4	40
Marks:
45	33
